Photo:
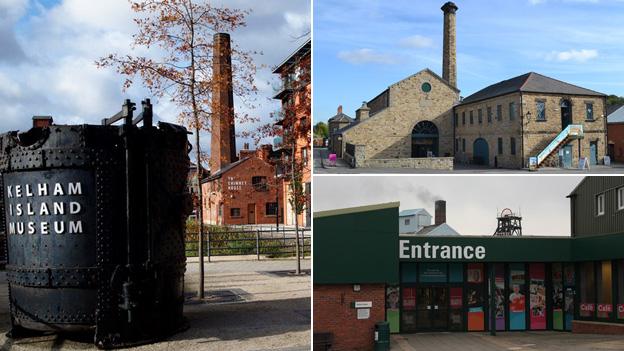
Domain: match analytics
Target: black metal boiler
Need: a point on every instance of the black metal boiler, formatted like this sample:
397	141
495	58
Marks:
94	219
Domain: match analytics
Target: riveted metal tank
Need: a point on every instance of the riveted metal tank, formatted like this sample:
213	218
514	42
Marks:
94	218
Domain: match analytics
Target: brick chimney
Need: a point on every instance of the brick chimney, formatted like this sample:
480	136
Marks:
223	143
449	54
440	212
42	121
339	110
264	152
362	113
246	152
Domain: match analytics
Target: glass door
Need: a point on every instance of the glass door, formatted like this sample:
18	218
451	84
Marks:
432	308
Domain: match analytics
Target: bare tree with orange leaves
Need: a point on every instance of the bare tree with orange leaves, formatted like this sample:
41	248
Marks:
177	35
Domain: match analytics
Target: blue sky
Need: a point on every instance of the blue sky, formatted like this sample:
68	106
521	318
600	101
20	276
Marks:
363	46
48	49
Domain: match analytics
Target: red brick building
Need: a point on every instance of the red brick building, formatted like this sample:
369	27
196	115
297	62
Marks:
244	192
243	188
615	133
295	94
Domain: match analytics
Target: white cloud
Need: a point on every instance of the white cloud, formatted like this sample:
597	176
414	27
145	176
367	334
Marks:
363	56
416	41
297	22
572	55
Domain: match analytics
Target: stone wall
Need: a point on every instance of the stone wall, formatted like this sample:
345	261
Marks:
538	134
437	163
504	128
387	134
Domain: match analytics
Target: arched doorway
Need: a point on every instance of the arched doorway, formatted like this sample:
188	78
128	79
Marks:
566	113
425	139
481	152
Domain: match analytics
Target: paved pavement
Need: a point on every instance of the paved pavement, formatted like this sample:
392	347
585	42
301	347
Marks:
519	341
251	305
321	167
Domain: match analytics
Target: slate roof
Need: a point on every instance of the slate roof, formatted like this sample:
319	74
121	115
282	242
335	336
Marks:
341	117
616	116
440	229
613	108
529	82
225	169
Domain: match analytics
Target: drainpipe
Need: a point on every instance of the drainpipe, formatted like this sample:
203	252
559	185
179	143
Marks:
522	131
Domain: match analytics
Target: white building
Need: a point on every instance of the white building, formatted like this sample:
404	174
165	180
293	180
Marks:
418	222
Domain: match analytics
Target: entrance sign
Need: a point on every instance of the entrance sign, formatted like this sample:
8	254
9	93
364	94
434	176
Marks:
449	252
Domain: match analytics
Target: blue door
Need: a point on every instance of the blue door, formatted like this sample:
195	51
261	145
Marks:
480	152
593	153
567	156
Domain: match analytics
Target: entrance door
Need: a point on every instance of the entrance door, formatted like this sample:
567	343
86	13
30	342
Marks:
567	156
432	308
566	114
251	214
593	153
481	152
338	147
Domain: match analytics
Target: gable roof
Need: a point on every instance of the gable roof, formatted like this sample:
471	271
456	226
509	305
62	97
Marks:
616	116
441	230
413	212
341	117
426	70
350	210
225	169
529	82
613	108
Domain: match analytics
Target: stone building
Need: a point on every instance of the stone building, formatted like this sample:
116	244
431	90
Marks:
411	119
506	123
334	124
420	121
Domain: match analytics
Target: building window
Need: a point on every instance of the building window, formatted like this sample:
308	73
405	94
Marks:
426	87
589	111
455	119
513	145
540	107
471	118
464	118
512	111
235	212
457	144
604	294
480	116
407	221
304	156
271	208
463	145
600	208
259	183
620	198
499	112
489	114
500	146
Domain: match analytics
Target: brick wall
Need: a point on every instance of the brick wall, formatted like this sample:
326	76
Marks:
616	137
333	313
587	327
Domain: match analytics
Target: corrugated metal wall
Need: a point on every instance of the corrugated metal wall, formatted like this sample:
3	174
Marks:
585	221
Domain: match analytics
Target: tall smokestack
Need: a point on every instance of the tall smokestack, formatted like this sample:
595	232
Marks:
449	55
223	143
440	212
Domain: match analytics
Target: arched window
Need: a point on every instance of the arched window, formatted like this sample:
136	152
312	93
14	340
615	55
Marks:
425	139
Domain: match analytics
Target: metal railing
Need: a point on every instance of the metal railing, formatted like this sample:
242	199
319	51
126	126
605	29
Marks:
262	242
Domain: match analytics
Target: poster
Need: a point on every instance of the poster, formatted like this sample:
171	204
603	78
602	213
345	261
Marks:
537	290
456	309
392	308
474	297
517	297
475	273
557	296
500	296
409	298
569	308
